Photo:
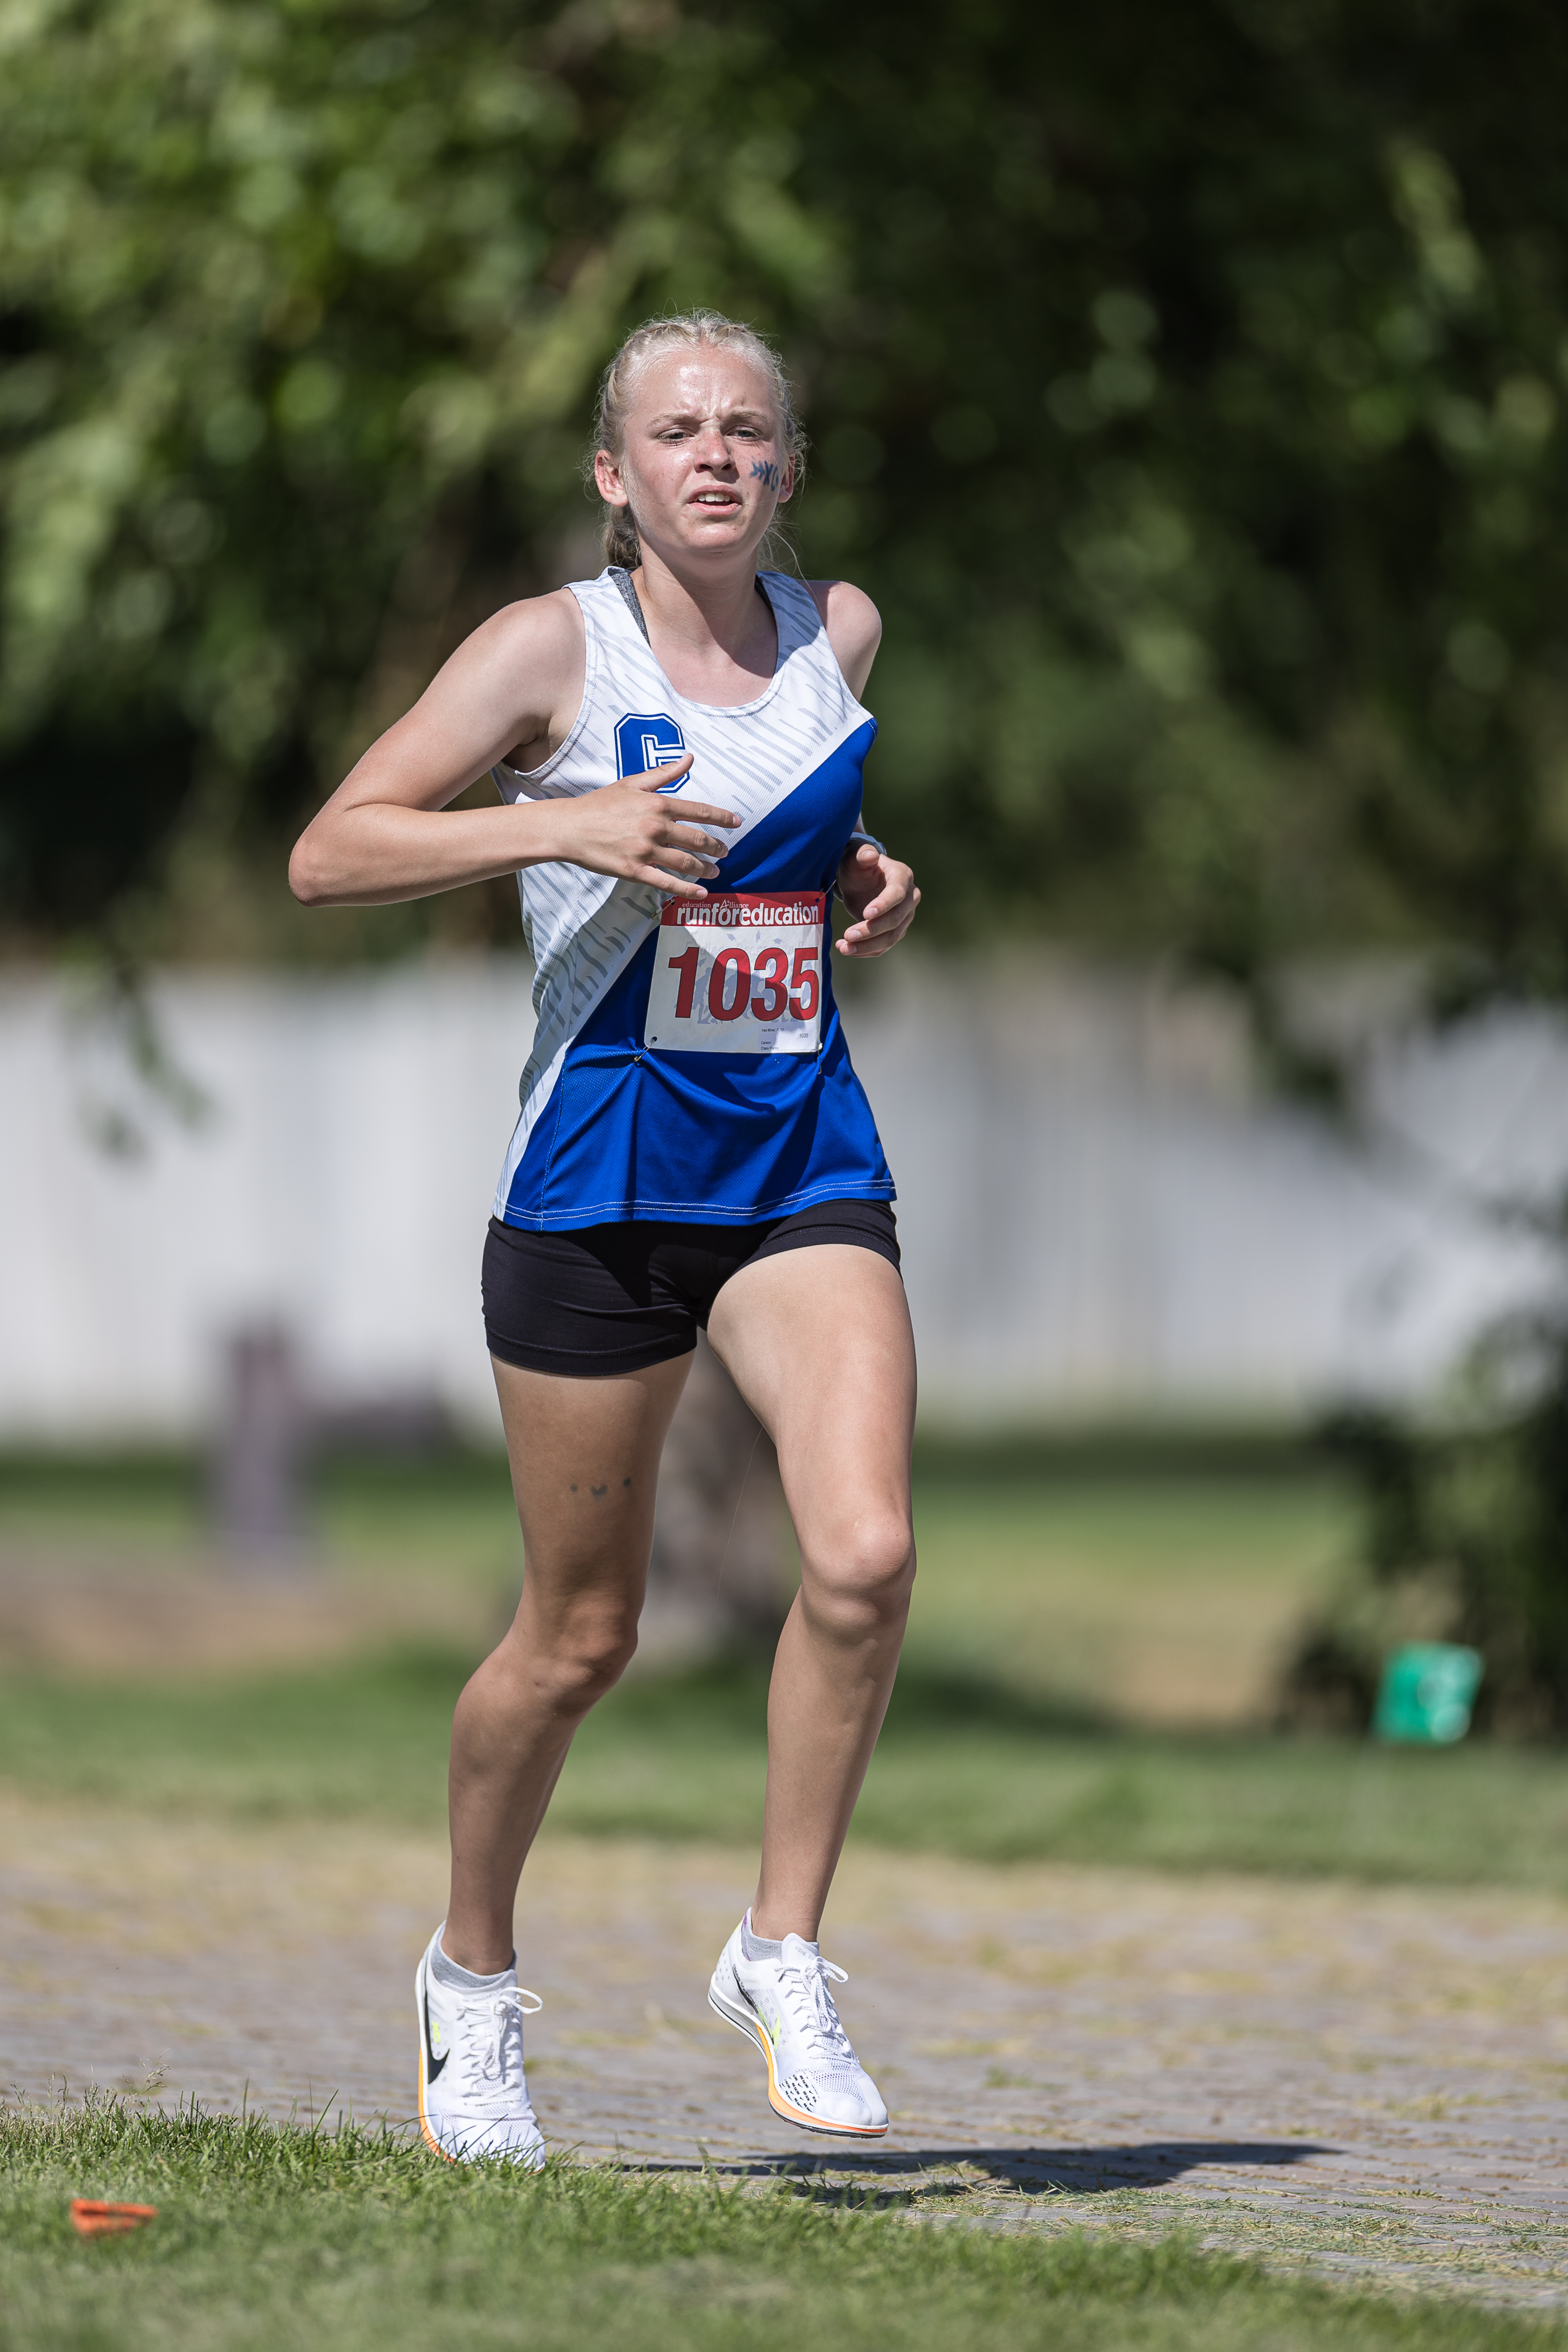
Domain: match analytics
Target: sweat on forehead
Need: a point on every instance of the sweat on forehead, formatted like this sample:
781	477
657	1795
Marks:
702	383
702	341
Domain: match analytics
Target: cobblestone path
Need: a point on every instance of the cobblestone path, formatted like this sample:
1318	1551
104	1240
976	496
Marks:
1353	2079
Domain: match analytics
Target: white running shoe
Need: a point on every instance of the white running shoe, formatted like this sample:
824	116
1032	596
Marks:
814	2077
473	2097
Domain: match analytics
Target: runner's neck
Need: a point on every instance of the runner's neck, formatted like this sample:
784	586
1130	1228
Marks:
714	648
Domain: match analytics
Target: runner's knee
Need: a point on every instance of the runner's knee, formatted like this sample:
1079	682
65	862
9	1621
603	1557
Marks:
860	1582
592	1657
574	1661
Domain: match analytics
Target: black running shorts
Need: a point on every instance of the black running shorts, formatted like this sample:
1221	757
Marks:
615	1298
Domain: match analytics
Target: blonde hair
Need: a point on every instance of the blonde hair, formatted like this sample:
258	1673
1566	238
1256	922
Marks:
689	330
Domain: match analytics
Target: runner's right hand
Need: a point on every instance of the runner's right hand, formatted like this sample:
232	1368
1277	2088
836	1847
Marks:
629	829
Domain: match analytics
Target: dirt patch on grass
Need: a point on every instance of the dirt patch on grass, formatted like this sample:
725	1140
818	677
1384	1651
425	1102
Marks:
94	1615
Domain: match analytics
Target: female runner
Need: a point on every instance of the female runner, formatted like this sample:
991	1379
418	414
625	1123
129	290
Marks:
678	746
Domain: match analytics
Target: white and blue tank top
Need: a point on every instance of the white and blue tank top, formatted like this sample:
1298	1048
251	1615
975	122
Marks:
688	1060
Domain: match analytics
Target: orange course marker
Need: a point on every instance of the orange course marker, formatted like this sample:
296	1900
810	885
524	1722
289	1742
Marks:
93	2219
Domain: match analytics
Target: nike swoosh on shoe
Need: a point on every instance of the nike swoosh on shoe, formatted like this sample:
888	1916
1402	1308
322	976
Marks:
433	2064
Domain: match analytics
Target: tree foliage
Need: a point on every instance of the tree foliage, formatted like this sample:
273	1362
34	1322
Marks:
1185	383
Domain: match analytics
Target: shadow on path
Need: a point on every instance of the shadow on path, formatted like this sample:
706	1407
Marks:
1085	2171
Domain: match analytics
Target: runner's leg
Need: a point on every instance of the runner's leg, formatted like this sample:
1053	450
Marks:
819	1342
584	1465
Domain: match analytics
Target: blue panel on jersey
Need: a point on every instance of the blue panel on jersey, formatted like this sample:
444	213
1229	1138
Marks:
713	1137
797	845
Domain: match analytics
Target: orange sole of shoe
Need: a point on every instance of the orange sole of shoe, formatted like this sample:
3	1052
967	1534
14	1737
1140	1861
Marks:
776	2099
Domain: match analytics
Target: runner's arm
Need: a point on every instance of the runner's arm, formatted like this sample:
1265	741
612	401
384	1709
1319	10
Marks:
854	628
387	833
879	890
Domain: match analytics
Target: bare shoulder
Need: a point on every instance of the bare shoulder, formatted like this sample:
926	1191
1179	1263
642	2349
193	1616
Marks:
518	677
541	632
854	627
512	689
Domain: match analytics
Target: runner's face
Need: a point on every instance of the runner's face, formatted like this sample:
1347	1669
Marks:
704	467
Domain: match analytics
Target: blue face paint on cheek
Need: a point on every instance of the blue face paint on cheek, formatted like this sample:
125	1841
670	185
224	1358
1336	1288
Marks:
764	470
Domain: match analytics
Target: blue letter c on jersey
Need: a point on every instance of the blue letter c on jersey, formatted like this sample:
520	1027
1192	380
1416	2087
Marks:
645	739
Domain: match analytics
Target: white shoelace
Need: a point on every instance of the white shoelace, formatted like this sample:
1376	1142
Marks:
489	2057
804	1987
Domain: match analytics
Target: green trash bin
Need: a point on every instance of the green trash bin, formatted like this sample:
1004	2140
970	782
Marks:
1427	1691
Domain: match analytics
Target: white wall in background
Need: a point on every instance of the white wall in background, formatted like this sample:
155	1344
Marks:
1103	1212
341	1183
1099	1211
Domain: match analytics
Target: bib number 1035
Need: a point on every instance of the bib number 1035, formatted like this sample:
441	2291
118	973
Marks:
738	972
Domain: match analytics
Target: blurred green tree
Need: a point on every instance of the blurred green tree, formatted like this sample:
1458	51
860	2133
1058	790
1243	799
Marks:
1184	384
301	308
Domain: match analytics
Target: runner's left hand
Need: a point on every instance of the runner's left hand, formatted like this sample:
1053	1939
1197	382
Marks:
880	896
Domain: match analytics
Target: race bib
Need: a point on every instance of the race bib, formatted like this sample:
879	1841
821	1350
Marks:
738	972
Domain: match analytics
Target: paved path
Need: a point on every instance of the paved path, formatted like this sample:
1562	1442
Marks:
1362	2080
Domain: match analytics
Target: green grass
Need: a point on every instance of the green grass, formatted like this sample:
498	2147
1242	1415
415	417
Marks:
1152	1593
1155	1596
354	2240
451	1512
964	1768
1052	1600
